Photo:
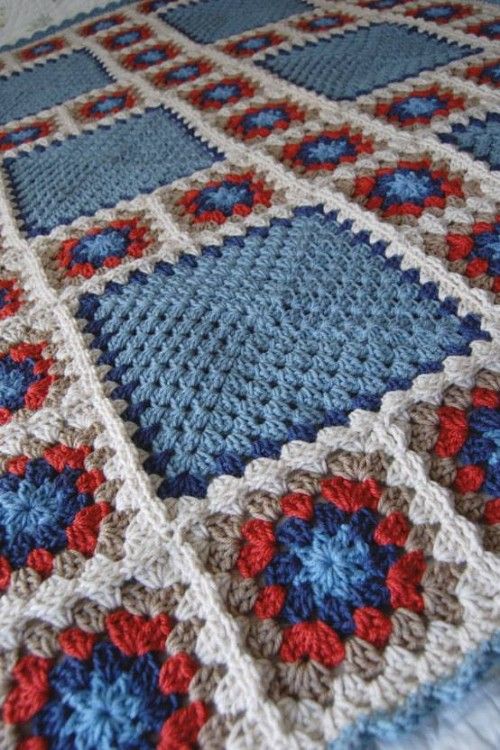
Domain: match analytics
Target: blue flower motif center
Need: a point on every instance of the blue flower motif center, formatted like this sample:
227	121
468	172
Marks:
151	56
417	106
106	23
440	11
128	37
96	248
254	43
109	104
19	136
492	28
335	565
324	23
483	446
184	73
108	701
42	49
266	118
222	92
324	149
405	185
330	566
493	72
224	197
15	379
487	245
36	509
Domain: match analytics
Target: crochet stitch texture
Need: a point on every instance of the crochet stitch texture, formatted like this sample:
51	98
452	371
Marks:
249	373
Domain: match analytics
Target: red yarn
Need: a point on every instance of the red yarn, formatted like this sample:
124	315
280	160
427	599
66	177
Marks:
41	560
459	246
491	513
61	456
83	532
393	529
33	743
453	431
177	673
314	640
76	643
270	602
298	505
372	626
180	730
469	479
136	635
403	580
5	572
485	397
351	496
31	691
259	549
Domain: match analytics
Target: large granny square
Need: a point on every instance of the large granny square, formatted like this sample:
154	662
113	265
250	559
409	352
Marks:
226	357
345	66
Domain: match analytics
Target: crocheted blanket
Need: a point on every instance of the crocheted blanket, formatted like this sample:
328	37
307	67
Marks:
249	372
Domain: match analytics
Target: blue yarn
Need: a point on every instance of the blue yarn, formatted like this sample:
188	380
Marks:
50	83
331	566
210	20
363	59
15	379
109	701
236	338
36	509
481	138
112	163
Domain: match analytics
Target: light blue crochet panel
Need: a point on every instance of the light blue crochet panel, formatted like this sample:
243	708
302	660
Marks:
354	63
210	20
225	358
53	82
95	170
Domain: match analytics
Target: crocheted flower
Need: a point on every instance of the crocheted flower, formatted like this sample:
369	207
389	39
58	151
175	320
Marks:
443	13
489	29
486	73
107	104
218	200
261	121
463	436
153	55
46	505
407	189
103	24
24	134
480	249
126	37
326	150
42	48
111	692
324	23
24	379
10	298
182	73
225	91
250	45
419	107
103	247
